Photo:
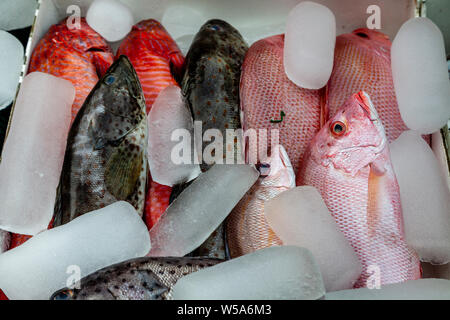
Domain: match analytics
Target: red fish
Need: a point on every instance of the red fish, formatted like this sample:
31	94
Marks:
79	55
19	239
154	55
266	92
362	62
157	61
348	162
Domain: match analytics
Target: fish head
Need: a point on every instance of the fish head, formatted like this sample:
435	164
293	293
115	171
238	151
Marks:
79	36
152	28
121	92
215	32
373	40
277	170
116	283
353	138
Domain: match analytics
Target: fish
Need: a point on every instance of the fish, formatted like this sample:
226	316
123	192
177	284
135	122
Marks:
210	85
247	227
18	239
211	79
5	240
362	62
158	62
3	296
267	94
155	56
156	203
106	154
137	279
348	162
79	55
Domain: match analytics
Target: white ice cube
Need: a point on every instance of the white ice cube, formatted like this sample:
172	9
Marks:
275	273
112	19
309	45
11	61
420	75
16	14
424	196
300	217
422	289
200	209
33	153
168	116
50	260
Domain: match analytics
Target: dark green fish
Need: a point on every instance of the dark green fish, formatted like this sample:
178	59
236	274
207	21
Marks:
211	87
138	279
106	153
212	76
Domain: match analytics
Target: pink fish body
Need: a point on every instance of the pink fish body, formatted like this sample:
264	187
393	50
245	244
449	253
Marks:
247	228
349	163
265	91
362	62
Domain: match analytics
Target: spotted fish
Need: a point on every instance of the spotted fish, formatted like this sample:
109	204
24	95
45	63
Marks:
211	87
105	159
138	279
79	55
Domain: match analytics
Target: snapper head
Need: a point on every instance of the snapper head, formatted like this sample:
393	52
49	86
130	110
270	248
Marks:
352	139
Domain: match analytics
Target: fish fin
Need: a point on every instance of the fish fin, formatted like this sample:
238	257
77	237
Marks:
57	212
122	173
102	60
324	108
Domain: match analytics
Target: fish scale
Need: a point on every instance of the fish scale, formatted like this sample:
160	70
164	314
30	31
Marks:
158	62
138	279
354	175
79	55
362	62
265	91
247	227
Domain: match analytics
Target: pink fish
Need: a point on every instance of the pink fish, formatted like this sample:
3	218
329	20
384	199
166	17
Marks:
266	94
362	62
247	228
348	161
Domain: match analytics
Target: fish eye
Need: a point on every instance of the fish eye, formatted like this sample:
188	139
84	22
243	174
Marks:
110	80
63	295
338	128
215	27
264	169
